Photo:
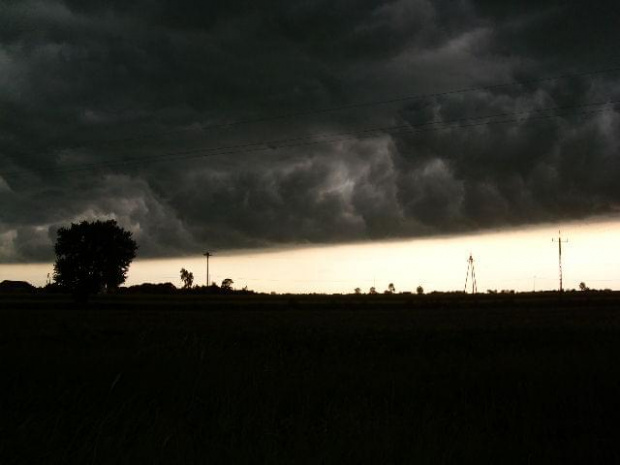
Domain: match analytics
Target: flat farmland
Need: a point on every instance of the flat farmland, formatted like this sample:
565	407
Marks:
310	379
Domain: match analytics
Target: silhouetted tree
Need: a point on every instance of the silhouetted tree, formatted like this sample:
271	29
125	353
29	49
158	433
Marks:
358	290
227	284
188	278
372	290
419	290
583	287
92	257
391	289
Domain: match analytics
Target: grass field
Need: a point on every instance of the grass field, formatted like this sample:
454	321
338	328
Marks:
318	379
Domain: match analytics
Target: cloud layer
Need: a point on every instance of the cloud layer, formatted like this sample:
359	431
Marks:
87	87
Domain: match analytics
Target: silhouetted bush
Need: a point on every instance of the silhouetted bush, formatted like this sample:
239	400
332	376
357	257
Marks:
151	288
16	287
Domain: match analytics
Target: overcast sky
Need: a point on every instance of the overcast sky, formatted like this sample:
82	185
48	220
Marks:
111	109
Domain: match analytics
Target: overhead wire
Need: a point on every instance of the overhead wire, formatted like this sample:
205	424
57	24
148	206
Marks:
417	97
371	103
350	106
321	138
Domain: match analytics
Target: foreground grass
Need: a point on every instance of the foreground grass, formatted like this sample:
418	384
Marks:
281	380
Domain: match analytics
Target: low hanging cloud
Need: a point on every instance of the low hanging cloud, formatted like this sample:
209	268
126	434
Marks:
133	111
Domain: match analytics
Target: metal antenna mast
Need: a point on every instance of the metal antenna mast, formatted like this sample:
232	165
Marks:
559	241
471	271
208	254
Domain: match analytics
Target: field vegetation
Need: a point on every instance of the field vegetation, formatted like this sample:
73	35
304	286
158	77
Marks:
514	378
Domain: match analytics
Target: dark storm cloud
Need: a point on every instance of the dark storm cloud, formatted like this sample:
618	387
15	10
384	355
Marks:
97	82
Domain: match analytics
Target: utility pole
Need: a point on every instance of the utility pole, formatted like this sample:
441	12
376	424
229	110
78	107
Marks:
208	254
472	272
559	241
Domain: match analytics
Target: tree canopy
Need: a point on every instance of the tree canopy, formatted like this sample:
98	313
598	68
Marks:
188	278
93	256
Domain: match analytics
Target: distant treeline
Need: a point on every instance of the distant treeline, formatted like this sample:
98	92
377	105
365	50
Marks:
169	288
24	287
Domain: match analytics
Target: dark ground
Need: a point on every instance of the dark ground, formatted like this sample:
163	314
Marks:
373	379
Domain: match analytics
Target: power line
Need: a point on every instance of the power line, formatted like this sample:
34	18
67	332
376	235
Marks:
240	278
403	126
279	144
333	137
355	105
414	97
396	100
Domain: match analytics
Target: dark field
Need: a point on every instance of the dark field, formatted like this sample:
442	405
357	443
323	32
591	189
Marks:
373	379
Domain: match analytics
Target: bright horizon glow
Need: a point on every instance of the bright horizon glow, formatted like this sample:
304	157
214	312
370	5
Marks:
522	259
